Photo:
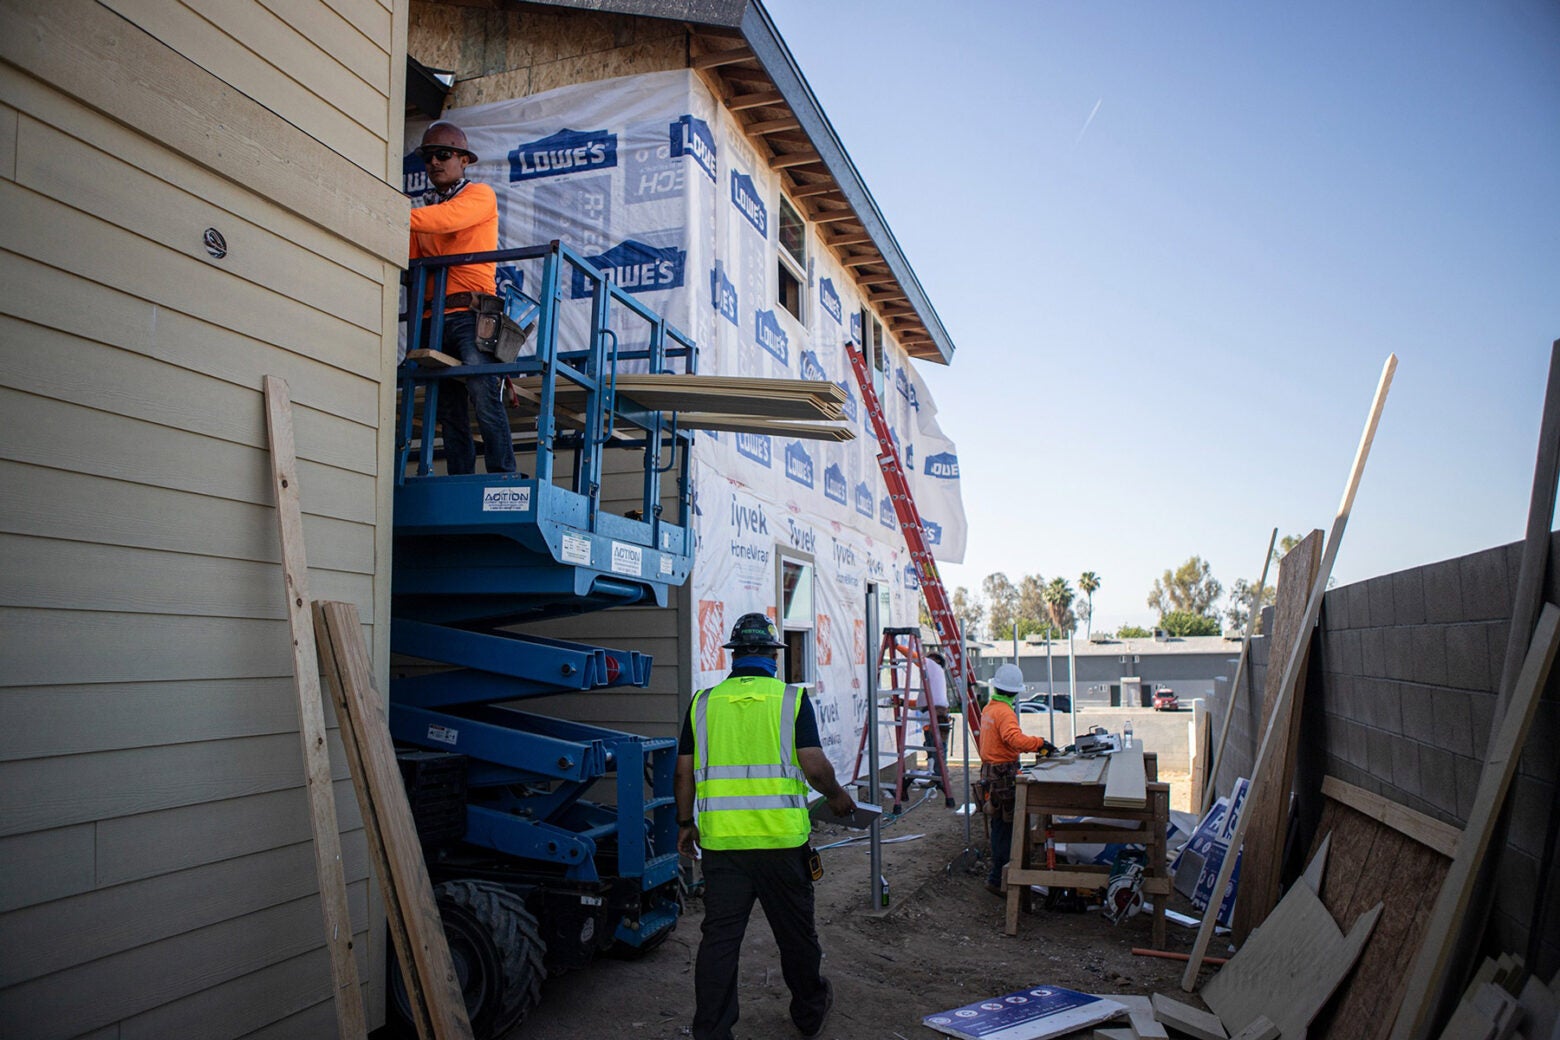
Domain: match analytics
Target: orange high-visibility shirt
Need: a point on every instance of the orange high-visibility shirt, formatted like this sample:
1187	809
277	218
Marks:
467	223
1001	739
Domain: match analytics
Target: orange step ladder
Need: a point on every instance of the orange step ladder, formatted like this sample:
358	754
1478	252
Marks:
906	693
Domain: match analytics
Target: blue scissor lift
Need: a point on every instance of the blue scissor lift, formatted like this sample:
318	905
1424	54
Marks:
533	865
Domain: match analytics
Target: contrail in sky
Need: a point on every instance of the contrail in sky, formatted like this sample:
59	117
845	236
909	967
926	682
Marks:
1087	122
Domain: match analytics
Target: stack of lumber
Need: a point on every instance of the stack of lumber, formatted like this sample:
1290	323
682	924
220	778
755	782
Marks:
805	408
1126	785
1498	1004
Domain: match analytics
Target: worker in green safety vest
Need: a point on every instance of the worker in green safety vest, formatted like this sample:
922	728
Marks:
748	752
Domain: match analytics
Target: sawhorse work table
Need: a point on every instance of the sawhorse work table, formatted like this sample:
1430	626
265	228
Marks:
1068	788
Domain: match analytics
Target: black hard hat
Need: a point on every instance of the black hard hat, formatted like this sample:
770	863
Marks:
754	632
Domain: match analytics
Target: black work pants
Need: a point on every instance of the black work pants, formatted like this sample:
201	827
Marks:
781	881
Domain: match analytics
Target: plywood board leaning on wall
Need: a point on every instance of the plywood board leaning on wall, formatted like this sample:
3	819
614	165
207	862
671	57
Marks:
1269	804
1374	862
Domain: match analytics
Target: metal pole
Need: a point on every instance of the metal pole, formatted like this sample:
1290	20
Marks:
874	783
1050	688
1072	688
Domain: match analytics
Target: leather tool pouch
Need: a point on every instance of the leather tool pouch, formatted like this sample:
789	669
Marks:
489	313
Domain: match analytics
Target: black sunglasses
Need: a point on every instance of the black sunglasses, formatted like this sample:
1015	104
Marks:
439	154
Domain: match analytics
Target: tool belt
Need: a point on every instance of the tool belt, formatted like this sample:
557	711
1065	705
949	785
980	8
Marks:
998	787
496	334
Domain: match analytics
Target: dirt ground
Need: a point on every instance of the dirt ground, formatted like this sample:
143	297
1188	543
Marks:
939	945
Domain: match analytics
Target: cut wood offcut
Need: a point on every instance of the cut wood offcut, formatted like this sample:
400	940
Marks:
1290	966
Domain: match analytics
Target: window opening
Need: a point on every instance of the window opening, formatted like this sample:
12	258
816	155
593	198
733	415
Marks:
798	617
792	262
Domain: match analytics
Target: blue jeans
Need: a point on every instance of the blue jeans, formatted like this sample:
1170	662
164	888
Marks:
485	392
1001	848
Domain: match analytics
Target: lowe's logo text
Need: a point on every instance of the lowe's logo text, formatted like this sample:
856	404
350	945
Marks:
724	294
830	299
691	136
944	464
567	151
850	400
855	327
834	486
802	536
745	197
906	388
798	464
770	336
912	579
634	267
811	369
863	499
754	446
414	176
933	532
748	519
886	512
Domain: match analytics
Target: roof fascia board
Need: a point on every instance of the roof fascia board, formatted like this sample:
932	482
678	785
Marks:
726	13
775	57
756	27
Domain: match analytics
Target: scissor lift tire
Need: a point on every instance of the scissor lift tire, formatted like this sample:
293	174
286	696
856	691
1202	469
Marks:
497	952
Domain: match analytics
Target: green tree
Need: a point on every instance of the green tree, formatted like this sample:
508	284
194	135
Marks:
1240	605
1043	628
1001	604
1190	587
1058	604
969	610
1186	623
1133	632
1031	602
1088	581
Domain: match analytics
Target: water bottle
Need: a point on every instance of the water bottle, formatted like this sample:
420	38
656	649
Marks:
1126	734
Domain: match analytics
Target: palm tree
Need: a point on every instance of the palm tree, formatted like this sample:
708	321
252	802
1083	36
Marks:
1058	603
1088	581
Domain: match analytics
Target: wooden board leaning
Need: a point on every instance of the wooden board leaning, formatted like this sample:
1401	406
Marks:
433	989
348	994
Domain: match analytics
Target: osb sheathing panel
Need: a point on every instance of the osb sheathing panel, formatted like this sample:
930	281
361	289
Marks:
655	56
498	53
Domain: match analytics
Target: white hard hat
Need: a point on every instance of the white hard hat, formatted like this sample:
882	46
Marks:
1009	679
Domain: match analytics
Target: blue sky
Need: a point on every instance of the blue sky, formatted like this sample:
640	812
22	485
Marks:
1171	317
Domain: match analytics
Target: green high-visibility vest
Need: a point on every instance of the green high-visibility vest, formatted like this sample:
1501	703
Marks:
749	790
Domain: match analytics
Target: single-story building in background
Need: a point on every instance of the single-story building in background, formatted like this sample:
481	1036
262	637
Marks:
1119	671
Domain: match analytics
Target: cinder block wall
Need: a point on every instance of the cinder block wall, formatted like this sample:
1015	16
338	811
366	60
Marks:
1403	703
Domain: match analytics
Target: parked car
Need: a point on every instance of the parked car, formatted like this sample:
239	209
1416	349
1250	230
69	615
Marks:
1165	699
1037	702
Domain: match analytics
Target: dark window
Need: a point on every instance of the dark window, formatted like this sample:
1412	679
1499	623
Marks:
792	263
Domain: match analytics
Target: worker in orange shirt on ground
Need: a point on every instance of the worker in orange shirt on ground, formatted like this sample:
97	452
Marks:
1001	742
463	218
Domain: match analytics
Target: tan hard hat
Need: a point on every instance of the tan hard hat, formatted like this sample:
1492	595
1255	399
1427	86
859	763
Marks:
446	135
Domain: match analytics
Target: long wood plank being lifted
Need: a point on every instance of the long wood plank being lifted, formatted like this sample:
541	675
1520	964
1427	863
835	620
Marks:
802	399
816	431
